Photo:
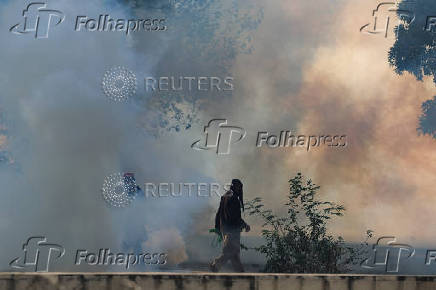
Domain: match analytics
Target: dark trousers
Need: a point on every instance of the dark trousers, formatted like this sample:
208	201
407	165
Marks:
231	251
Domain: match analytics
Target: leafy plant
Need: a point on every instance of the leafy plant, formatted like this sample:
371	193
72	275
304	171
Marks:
299	242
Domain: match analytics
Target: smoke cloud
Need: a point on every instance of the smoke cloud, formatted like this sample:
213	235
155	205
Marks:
300	66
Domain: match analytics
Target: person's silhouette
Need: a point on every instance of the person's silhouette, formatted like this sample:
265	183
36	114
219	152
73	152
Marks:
229	224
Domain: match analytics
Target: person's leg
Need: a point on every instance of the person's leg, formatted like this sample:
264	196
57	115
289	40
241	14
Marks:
219	262
224	257
235	251
236	263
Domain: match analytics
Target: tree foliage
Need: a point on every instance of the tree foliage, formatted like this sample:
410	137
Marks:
414	49
299	242
427	121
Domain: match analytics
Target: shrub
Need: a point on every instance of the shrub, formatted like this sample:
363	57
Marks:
299	242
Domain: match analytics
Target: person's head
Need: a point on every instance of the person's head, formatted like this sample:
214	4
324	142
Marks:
236	187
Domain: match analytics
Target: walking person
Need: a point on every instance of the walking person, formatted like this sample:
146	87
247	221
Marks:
229	224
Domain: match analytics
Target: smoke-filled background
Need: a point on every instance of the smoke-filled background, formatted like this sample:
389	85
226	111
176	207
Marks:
300	65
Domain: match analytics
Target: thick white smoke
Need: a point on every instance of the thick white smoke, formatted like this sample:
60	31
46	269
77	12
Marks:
66	136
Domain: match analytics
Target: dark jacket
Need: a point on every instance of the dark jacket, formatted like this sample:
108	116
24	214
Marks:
228	216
